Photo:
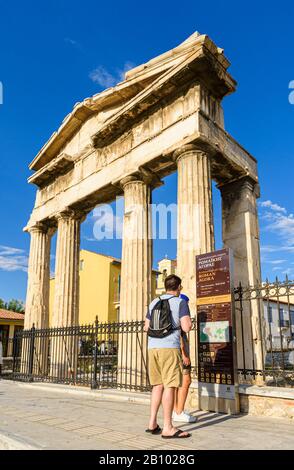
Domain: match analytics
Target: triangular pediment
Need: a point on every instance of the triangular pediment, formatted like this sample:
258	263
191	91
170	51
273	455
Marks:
138	81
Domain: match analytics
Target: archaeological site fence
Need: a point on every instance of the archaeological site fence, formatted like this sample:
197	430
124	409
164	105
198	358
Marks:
115	355
274	302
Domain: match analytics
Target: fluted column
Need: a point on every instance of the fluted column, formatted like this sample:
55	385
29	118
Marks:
37	300
195	230
136	250
241	234
66	291
135	281
64	345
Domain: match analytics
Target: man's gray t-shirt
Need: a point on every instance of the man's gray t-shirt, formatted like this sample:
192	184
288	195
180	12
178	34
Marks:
179	308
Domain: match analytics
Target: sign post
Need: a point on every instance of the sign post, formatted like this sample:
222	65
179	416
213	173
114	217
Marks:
217	372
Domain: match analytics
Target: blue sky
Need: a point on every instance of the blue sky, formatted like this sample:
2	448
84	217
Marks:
56	53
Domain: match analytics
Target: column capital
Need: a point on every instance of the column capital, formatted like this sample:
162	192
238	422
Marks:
143	176
242	184
72	214
130	179
39	227
186	150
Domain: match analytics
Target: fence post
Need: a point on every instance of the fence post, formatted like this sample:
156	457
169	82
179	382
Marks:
31	354
14	352
95	356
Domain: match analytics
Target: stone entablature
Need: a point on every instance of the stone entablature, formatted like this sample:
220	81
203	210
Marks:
149	143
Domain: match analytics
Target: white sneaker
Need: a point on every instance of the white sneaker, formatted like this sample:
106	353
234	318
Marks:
184	417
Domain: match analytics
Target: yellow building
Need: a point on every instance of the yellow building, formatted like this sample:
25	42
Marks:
10	323
99	288
165	267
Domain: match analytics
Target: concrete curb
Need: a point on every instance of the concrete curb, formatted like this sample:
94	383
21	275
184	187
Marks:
14	443
106	394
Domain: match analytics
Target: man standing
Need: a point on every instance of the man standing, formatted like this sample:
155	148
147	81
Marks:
166	317
179	414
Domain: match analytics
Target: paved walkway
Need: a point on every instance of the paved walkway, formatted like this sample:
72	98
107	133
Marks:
35	416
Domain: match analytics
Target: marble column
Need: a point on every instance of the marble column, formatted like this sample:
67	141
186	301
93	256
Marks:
66	290
64	346
37	300
195	230
241	234
10	343
135	281
136	250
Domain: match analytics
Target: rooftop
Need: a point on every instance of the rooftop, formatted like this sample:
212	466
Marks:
10	315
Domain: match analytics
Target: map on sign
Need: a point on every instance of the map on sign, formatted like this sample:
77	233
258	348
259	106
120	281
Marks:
215	332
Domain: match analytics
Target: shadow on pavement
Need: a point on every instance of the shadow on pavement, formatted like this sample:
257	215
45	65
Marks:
209	419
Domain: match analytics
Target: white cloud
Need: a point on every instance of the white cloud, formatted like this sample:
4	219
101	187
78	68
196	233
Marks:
276	248
278	221
106	79
288	272
9	250
278	224
282	225
102	77
274	207
128	66
13	259
277	261
73	43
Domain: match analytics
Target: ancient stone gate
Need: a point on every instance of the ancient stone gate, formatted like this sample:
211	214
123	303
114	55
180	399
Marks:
166	116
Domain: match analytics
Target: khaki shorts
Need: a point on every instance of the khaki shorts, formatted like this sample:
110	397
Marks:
165	367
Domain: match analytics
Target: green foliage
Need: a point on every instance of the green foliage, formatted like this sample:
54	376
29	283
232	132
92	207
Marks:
13	305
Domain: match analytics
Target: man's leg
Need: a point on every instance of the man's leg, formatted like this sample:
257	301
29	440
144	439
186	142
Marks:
182	393
176	399
168	404
156	398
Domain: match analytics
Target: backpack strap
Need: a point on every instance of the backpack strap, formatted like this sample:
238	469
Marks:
173	296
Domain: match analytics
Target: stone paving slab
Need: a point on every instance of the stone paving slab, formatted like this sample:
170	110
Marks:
54	419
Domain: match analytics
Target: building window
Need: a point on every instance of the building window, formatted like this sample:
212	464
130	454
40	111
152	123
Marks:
270	314
284	322
292	322
81	265
164	274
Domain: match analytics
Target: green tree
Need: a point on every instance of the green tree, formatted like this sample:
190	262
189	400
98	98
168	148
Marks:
15	305
2	303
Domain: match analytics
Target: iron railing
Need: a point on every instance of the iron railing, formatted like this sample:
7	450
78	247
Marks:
112	355
265	332
115	354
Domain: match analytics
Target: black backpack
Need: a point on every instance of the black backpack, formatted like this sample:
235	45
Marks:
161	324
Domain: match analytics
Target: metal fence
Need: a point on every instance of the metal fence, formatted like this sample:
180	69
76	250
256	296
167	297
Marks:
265	315
115	354
111	355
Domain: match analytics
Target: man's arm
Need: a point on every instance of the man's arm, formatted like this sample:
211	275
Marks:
185	356
147	322
186	323
184	315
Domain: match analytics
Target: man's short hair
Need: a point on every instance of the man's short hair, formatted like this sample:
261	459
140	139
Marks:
172	282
